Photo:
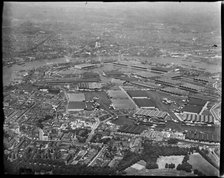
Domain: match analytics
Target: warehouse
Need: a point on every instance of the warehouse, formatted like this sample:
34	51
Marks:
195	118
191	87
168	82
137	93
145	103
205	137
89	86
85	66
151	113
76	97
76	106
175	91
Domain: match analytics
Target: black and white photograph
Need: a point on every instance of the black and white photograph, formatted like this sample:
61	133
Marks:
112	88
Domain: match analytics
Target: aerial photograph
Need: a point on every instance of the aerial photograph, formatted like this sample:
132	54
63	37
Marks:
112	88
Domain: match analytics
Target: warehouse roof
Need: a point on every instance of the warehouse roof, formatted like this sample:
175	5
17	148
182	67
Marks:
76	96
151	113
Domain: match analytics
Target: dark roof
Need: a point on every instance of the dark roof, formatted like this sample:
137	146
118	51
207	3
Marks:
175	91
196	101
76	105
137	93
192	108
144	103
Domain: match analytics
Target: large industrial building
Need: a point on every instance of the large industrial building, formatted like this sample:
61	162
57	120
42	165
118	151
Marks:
205	137
195	118
151	113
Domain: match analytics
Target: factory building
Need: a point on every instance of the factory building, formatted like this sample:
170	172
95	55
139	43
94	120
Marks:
151	113
195	118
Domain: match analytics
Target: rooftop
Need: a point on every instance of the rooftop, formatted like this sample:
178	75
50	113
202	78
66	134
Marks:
192	86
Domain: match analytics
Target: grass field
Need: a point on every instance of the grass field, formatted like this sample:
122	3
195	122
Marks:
122	120
162	160
198	162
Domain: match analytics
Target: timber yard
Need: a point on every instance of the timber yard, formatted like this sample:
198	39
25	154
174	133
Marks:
104	111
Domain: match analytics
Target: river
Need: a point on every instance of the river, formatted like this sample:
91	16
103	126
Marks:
9	73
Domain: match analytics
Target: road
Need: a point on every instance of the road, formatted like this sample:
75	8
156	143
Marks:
98	155
93	130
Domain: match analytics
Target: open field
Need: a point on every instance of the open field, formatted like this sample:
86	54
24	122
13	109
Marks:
162	160
198	162
157	172
122	120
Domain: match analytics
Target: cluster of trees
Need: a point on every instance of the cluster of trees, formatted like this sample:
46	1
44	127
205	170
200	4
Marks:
185	167
171	165
151	165
129	159
172	141
199	173
204	153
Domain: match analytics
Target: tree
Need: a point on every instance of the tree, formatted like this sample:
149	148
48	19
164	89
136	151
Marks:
166	166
